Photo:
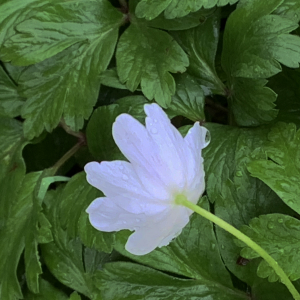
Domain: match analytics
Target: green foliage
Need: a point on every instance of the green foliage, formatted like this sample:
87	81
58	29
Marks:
282	170
68	69
279	235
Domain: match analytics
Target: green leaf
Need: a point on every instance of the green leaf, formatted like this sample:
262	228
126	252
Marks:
15	210
255	42
16	11
188	100
10	101
139	282
237	196
63	256
11	146
189	21
75	296
99	129
289	9
57	26
194	253
67	85
74	200
286	85
279	235
281	172
47	292
150	9
201	43
145	56
110	78
252	102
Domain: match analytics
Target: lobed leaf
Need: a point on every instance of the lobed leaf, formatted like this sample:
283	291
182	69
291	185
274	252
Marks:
281	172
279	235
150	9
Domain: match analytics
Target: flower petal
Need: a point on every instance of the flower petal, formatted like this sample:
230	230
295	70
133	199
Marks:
195	140
105	215
159	233
118	181
135	143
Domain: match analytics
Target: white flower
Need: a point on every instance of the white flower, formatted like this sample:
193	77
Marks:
140	194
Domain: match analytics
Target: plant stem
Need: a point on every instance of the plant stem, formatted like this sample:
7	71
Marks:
66	156
181	200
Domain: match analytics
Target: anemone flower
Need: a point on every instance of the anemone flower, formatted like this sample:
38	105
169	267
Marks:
141	193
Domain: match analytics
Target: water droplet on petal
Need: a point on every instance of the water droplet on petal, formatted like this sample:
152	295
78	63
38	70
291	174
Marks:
153	130
207	138
125	177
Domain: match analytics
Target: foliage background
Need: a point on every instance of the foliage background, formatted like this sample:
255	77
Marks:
69	67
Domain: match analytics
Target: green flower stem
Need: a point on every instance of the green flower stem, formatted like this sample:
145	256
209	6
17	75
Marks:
65	157
181	200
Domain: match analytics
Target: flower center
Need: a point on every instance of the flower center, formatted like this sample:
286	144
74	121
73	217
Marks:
180	199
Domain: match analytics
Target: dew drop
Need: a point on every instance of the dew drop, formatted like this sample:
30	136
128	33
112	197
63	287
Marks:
125	177
213	246
239	174
222	246
270	225
280	220
153	130
290	202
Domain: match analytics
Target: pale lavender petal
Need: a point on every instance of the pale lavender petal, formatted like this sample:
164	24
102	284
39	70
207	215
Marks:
106	216
171	147
136	144
160	233
118	181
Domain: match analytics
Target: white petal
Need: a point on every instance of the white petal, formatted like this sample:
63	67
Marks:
159	233
105	215
195	140
118	181
135	143
170	144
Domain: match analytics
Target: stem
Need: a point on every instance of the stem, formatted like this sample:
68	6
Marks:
66	156
181	200
68	130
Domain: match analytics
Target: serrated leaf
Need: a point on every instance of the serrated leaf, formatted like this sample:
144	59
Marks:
74	199
11	146
278	235
10	101
58	26
146	56
99	129
201	43
66	85
13	12
194	253
289	9
110	78
150	9
237	196
15	210
252	102
189	21
188	100
63	256
255	43
286	85
281	172
47	292
137	282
